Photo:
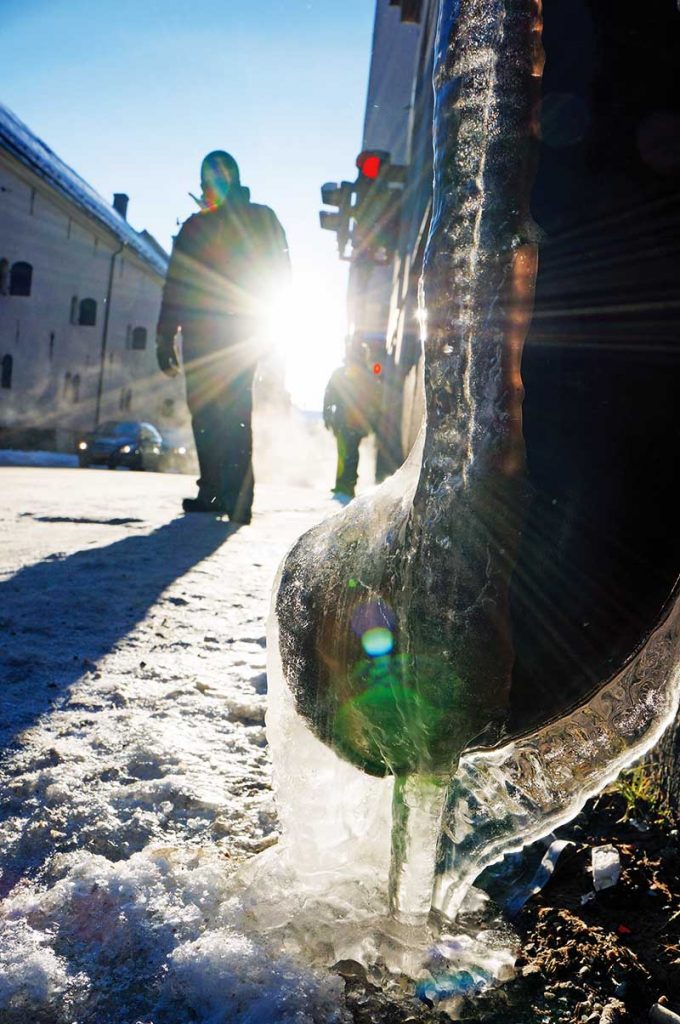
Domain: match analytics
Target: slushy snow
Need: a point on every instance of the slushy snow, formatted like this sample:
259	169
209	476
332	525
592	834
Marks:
136	778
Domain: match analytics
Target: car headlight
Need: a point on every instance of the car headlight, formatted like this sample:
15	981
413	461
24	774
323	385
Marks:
82	447
181	451
126	449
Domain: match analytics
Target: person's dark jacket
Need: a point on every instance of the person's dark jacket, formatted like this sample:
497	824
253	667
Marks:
351	400
225	262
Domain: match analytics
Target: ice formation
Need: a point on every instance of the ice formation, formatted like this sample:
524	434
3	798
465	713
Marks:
398	755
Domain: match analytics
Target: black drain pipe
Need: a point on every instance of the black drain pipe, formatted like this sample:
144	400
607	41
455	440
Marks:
105	334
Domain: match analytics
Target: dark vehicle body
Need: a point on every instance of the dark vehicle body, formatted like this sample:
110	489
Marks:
127	443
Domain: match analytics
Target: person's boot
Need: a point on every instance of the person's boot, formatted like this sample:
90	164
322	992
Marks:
204	503
240	518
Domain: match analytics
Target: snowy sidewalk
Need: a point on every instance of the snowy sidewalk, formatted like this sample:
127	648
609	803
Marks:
132	703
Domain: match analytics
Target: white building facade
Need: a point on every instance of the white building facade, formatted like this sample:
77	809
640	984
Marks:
80	292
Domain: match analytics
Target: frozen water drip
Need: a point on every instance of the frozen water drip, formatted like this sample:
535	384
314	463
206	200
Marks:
399	768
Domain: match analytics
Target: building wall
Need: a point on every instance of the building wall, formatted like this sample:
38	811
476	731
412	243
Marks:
387	123
390	84
383	300
55	362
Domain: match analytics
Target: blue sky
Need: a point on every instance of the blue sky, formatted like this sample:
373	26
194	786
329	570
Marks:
133	93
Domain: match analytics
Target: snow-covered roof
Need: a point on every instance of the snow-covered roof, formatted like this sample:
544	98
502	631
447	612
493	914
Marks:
18	139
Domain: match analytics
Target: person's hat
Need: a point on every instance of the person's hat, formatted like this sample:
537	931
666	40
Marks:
220	166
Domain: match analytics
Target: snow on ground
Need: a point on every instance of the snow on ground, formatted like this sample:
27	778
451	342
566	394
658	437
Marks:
136	772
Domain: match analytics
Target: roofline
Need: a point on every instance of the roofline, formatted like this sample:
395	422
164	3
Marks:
74	211
48	172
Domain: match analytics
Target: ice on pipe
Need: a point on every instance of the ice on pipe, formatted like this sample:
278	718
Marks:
427	557
397	759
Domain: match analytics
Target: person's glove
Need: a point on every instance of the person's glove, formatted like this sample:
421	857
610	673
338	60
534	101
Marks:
166	354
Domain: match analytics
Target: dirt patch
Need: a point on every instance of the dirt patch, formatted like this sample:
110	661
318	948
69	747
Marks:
586	957
598	957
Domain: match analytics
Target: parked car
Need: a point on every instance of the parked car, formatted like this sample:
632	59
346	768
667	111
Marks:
122	443
177	452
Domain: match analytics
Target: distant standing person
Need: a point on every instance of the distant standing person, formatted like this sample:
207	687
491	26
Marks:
349	407
226	261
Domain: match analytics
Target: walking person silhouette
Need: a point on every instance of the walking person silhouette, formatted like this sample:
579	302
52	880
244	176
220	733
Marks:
350	407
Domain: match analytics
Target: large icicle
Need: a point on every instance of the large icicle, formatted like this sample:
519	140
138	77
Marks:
391	645
393	617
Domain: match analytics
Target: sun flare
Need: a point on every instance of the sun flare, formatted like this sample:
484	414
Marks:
305	327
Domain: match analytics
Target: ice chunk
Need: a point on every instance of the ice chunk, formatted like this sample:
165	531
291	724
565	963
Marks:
606	864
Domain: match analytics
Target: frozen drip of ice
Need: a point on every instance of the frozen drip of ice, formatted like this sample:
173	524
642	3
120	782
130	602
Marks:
399	769
392	617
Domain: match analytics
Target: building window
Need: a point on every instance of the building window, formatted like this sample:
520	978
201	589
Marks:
4	277
20	278
411	10
51	349
71	389
87	314
139	338
73	315
6	372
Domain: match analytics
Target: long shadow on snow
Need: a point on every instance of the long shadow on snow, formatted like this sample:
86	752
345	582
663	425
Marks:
60	615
